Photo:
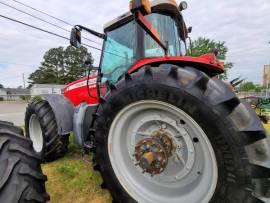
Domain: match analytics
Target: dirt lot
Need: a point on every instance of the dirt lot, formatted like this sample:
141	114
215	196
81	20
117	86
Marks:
13	112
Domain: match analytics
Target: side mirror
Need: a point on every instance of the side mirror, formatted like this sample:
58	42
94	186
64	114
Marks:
75	37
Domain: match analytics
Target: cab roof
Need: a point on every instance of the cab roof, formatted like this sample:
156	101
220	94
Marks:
169	6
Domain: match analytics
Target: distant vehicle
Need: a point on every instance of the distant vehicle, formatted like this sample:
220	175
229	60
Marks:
261	105
263	110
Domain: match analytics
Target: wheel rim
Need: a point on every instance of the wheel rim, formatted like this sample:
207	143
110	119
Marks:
191	172
36	133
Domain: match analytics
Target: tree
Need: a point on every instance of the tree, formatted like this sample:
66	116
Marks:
1	86
247	86
203	45
61	66
259	88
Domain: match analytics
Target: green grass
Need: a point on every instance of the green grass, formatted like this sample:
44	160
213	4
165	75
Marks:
267	128
73	180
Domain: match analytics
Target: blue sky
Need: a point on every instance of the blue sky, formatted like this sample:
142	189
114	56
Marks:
243	25
2	66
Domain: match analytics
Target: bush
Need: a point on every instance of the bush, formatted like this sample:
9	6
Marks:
36	98
25	98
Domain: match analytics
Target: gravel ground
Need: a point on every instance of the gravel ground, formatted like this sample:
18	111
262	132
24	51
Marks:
13	112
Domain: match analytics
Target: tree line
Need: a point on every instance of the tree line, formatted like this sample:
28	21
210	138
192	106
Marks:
61	66
250	86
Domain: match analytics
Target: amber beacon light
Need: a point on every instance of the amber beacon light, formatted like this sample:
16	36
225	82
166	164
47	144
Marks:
140	5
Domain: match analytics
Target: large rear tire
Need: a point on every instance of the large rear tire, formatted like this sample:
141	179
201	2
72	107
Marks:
41	128
225	153
21	178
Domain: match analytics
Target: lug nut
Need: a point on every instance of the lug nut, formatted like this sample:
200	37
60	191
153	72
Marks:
178	136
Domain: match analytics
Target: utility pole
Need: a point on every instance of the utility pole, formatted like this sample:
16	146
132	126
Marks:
23	81
267	82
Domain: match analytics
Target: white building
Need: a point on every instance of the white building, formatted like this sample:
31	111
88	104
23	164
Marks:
13	94
39	89
3	94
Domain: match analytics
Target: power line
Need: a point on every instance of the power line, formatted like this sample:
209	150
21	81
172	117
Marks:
19	64
56	18
26	65
52	23
63	21
57	35
46	31
59	27
34	16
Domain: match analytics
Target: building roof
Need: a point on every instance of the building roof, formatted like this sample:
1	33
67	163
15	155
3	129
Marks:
15	91
47	86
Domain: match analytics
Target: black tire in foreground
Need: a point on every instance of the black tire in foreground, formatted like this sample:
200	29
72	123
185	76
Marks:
235	133
10	126
41	128
21	178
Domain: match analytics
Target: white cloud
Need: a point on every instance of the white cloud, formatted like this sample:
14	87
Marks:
244	26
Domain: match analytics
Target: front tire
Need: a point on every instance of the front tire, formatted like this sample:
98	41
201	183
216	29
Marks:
41	128
21	178
232	132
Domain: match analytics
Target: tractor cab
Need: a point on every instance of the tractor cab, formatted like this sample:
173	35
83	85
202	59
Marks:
128	42
153	29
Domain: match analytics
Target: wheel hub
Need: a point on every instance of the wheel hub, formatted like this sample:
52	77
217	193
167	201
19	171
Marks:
35	133
152	153
161	154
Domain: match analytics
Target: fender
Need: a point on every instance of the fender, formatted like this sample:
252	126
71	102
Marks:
82	121
207	63
63	111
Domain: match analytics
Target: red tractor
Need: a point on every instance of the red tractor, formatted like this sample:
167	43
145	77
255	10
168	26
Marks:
161	126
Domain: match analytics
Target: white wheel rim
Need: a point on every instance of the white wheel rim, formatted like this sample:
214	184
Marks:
36	133
194	181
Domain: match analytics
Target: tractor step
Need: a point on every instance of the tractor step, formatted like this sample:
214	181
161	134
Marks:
88	147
